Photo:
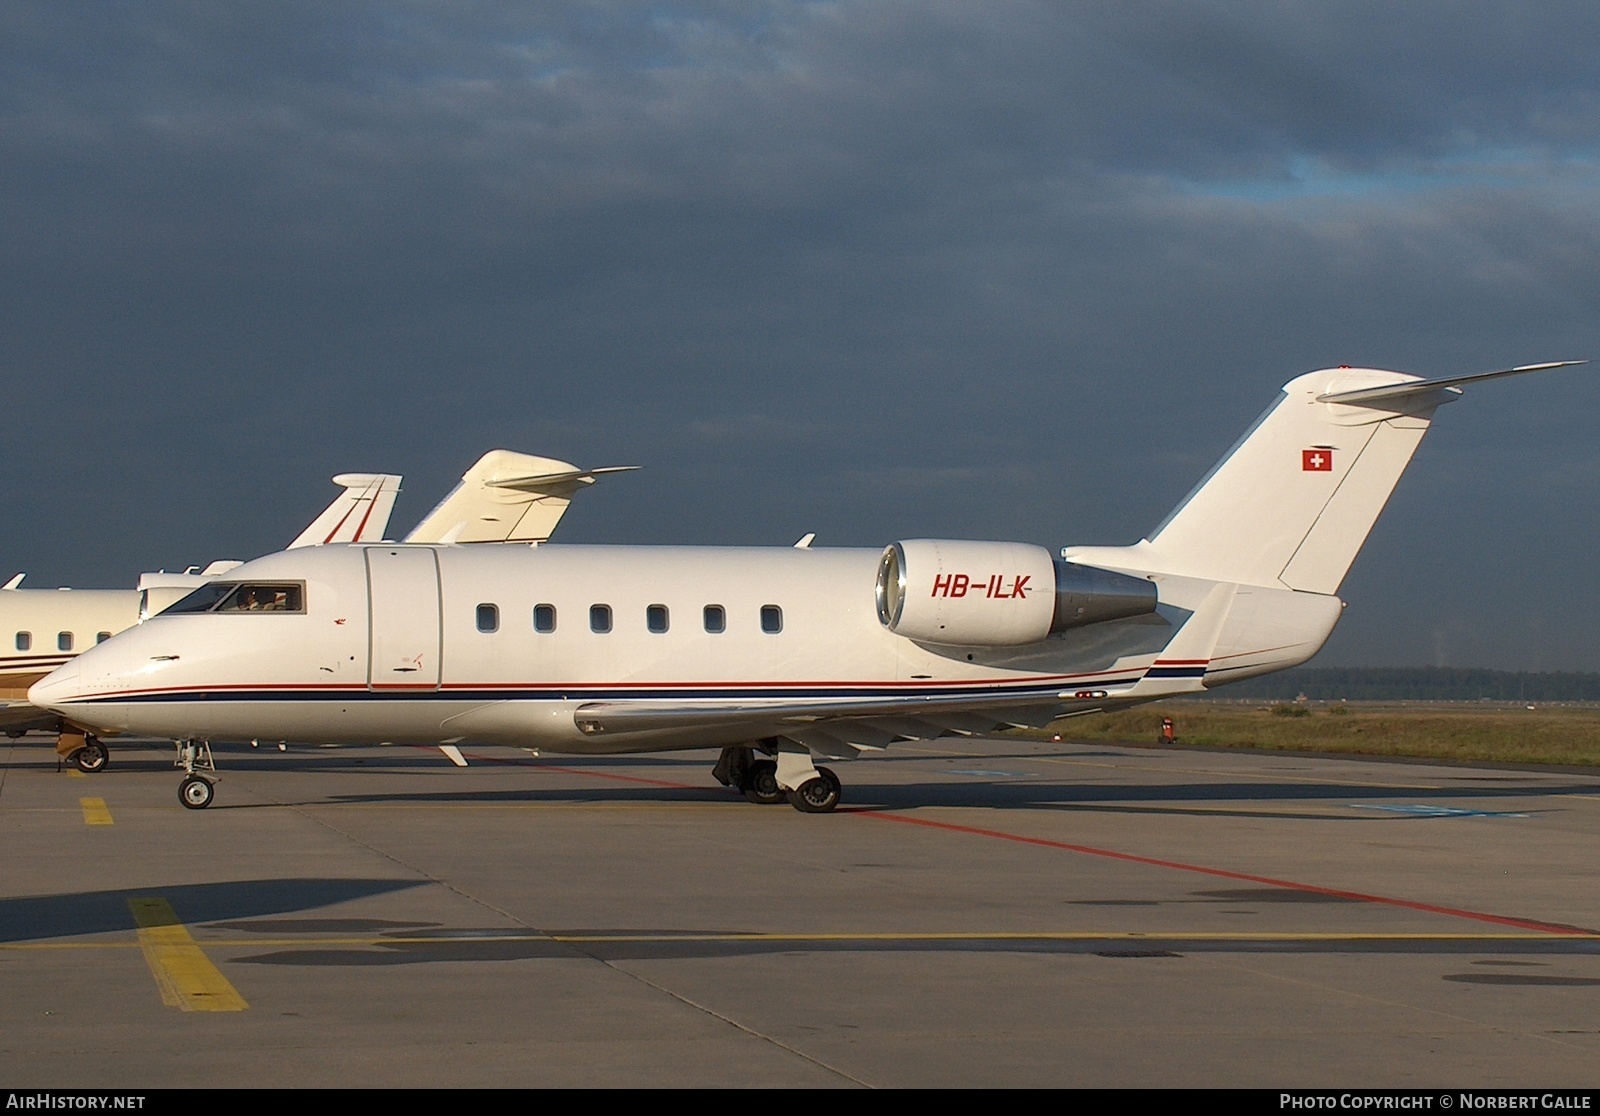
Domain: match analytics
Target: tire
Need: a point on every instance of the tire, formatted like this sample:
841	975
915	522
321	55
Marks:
819	795
760	784
91	757
195	793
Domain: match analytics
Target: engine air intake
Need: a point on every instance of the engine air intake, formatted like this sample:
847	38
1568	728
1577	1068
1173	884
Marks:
993	594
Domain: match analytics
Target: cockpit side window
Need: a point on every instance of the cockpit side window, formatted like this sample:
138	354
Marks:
265	597
233	596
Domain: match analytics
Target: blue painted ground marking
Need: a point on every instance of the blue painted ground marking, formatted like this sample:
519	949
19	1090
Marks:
1437	811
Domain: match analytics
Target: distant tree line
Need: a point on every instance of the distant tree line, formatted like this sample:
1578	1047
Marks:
1415	684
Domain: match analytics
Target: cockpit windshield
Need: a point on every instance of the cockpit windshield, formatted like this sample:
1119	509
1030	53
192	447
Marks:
203	598
234	596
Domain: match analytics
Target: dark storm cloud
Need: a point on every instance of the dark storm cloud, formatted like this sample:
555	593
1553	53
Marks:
1011	270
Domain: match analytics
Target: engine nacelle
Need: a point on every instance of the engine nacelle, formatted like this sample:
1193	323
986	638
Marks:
994	594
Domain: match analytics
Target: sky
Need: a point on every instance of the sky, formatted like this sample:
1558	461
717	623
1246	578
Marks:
882	270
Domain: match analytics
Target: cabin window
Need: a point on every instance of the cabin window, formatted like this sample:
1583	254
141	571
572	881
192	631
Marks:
63	641
655	618
488	618
716	619
544	618
101	637
600	618
24	641
771	619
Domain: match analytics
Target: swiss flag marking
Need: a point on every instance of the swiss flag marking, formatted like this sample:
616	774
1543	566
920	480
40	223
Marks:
1319	460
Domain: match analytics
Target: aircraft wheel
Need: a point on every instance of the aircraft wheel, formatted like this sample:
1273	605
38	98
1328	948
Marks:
819	795
760	783
195	792
91	757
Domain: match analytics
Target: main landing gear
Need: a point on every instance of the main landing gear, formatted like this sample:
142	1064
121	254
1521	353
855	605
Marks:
86	751
194	756
788	777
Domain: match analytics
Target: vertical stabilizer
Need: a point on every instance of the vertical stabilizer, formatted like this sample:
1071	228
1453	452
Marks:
1290	505
1292	502
507	497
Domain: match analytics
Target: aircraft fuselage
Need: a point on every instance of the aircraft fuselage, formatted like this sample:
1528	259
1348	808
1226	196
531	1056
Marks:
437	644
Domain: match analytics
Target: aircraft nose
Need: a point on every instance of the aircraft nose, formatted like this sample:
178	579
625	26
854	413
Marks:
60	685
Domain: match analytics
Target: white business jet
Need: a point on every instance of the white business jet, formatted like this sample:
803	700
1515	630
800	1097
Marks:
780	657
48	627
504	497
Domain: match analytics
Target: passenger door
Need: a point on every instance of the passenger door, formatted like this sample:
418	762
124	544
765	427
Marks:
403	602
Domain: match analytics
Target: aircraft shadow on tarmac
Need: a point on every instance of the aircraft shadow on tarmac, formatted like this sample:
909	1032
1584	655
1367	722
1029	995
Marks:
34	917
1029	792
424	945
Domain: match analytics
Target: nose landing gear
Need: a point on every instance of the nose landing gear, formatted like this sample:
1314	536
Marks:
196	790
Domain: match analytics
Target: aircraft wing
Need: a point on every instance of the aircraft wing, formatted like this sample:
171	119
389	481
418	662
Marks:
837	728
359	514
507	497
19	716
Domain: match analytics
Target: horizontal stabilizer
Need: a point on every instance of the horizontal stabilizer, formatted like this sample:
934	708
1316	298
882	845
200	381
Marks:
507	497
1418	387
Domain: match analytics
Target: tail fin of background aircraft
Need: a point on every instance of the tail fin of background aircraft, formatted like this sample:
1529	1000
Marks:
359	514
1292	502
507	497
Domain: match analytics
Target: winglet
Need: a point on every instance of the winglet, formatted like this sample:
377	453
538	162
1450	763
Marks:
14	582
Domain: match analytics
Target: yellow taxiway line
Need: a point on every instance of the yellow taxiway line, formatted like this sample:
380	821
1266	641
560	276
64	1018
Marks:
95	811
184	974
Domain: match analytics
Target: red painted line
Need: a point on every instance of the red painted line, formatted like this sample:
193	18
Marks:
1112	854
578	771
336	526
372	502
1223	873
620	778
